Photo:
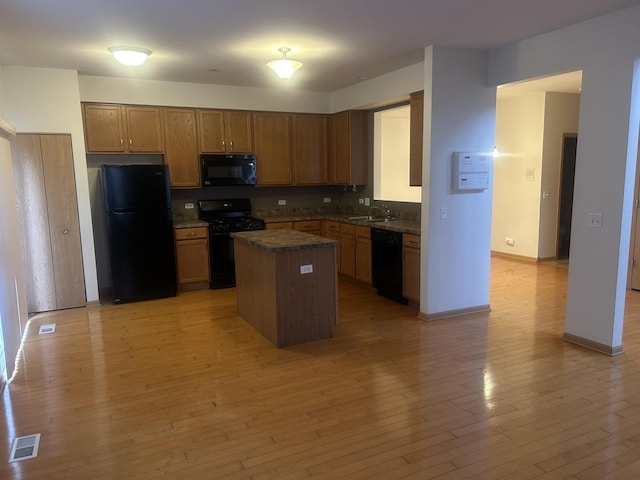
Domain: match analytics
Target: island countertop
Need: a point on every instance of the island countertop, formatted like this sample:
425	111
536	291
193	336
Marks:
278	240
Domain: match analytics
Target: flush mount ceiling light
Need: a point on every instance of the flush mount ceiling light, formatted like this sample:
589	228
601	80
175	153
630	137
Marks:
131	56
284	67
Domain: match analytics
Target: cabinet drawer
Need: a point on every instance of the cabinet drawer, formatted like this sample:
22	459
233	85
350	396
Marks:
279	226
332	226
363	232
191	233
411	241
310	226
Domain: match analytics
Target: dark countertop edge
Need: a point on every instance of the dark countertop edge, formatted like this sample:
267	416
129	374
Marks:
403	226
286	235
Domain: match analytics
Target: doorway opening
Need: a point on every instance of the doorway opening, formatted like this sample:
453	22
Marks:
567	178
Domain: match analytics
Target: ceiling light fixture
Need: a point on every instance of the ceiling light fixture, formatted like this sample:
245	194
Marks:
284	67
131	56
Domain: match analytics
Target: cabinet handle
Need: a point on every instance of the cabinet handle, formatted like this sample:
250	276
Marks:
130	144
223	145
231	146
122	144
65	231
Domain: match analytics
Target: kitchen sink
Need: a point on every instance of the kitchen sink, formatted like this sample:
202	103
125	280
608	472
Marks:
368	218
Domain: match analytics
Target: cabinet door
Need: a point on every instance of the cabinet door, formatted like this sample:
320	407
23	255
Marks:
192	260
363	254
350	148
181	148
211	131
415	136
273	148
411	267
144	129
347	250
331	229
103	128
310	149
239	131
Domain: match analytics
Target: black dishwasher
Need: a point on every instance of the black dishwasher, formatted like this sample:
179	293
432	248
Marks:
386	263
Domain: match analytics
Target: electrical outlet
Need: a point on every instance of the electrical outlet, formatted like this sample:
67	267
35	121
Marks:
367	202
510	241
361	201
282	202
327	199
188	206
306	269
595	220
443	213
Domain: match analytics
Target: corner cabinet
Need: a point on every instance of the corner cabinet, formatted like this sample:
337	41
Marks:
349	148
416	116
181	147
110	128
225	131
273	147
192	255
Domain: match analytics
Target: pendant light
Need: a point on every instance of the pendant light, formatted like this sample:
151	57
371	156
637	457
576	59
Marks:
284	67
130	56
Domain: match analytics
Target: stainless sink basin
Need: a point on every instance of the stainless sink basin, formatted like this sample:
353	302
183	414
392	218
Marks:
368	218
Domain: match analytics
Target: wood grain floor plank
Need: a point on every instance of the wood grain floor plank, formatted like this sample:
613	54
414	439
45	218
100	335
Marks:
184	388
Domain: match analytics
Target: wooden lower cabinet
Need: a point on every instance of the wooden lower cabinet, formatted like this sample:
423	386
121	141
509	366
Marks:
411	267
355	255
363	254
331	229
192	255
279	226
313	227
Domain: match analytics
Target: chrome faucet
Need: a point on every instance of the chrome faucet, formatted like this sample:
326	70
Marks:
386	211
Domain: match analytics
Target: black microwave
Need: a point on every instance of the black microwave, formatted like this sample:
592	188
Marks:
219	170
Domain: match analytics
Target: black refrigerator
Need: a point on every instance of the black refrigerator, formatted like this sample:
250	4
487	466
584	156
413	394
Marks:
139	225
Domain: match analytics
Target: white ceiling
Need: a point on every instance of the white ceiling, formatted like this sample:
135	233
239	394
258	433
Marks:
229	41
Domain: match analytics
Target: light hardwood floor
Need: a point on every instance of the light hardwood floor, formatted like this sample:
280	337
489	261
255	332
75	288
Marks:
182	388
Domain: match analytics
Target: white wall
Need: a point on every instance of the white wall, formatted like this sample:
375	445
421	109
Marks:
459	116
153	92
605	49
561	114
42	100
516	195
384	90
13	301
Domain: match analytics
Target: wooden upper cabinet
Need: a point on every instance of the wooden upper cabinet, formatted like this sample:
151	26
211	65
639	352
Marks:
416	105
310	149
181	147
349	145
225	131
273	146
112	128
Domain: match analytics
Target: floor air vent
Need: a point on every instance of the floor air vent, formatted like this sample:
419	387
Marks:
24	448
48	328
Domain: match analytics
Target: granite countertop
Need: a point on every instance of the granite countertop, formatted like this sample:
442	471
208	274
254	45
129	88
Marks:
190	224
278	240
397	225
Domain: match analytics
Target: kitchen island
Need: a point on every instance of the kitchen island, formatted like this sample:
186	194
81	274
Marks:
286	284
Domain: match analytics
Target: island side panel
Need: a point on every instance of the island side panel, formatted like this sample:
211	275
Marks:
256	288
306	303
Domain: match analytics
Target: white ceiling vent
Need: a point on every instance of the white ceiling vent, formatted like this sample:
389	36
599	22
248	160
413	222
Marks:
48	328
24	448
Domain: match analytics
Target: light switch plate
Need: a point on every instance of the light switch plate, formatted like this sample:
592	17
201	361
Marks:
282	202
